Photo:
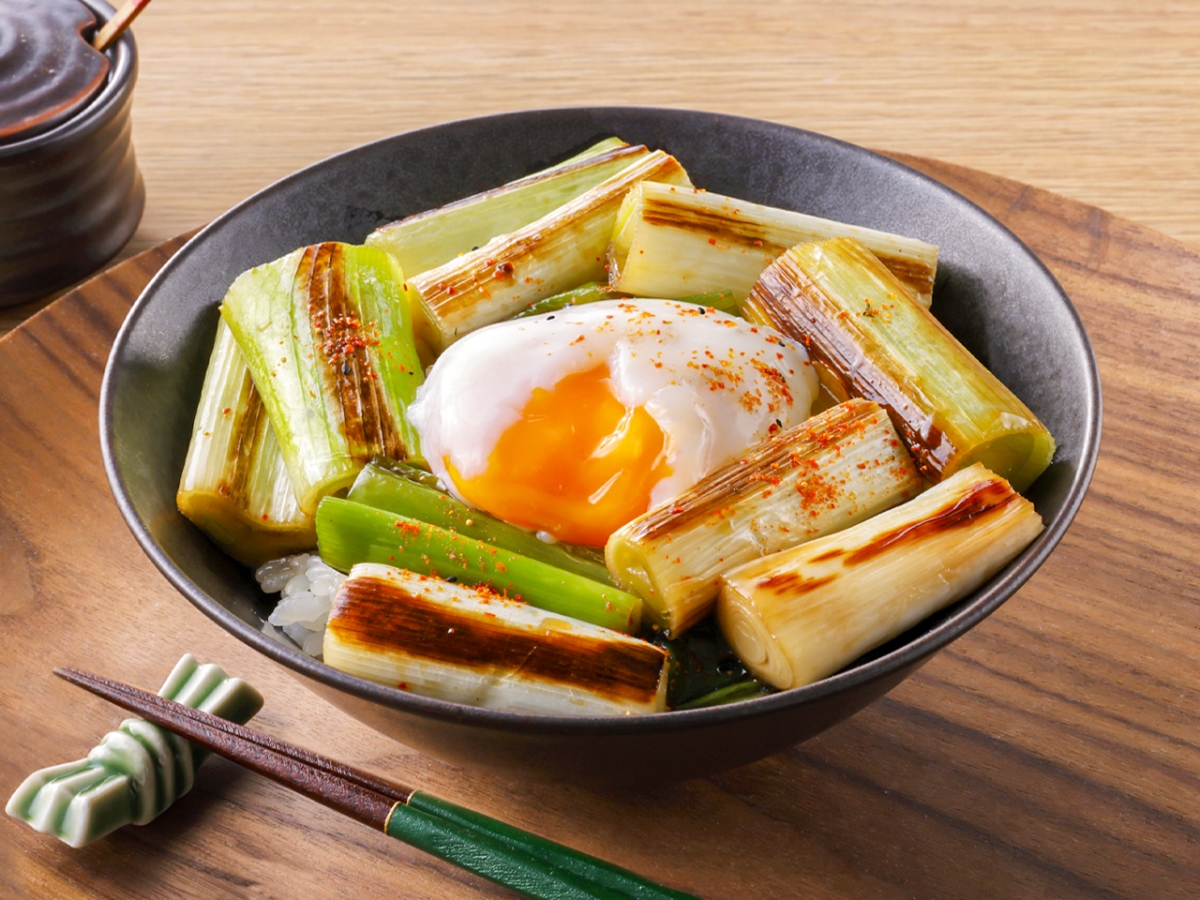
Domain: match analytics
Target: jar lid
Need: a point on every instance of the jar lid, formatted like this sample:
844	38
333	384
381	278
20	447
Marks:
48	70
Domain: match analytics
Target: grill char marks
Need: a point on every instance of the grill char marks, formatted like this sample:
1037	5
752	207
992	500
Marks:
987	498
983	499
379	615
714	492
799	308
468	287
909	272
754	237
342	341
793	584
454	291
749	235
249	431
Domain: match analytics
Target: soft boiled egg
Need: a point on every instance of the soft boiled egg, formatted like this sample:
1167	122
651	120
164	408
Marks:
573	423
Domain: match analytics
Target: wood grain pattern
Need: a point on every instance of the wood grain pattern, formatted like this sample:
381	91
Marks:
1092	99
1052	752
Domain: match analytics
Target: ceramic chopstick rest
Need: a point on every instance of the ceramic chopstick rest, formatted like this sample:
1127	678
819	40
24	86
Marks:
135	772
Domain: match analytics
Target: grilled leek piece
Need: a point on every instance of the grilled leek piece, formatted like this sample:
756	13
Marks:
471	645
235	486
402	489
326	334
558	252
429	239
802	614
349	533
868	338
670	242
594	292
832	471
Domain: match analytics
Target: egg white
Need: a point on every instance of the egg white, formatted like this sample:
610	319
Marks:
715	384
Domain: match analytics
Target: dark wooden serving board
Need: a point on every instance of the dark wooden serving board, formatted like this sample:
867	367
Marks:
1052	752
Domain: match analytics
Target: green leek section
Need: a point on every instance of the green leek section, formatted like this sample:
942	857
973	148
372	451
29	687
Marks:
403	489
557	252
327	336
704	670
349	533
863	328
429	239
746	689
600	147
235	486
589	292
594	292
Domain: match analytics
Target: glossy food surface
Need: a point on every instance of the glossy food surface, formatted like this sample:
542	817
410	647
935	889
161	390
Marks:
991	292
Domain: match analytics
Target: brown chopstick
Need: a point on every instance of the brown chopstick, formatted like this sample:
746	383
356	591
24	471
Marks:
351	791
536	867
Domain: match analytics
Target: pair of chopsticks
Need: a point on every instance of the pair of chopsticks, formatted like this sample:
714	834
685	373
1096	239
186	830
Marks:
529	864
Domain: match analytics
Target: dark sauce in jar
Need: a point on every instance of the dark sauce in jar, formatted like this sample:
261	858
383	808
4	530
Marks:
48	70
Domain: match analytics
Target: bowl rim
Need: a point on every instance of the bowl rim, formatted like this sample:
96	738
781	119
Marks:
118	85
982	603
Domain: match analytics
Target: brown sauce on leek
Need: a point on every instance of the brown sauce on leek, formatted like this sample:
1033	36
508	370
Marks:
379	614
985	498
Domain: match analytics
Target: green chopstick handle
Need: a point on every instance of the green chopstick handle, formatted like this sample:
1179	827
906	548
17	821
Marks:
534	866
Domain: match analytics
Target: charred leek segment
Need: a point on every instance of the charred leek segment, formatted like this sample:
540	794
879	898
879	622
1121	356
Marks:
429	239
594	292
869	339
471	645
401	489
670	242
559	251
834	470
235	486
350	533
802	614
135	772
326	334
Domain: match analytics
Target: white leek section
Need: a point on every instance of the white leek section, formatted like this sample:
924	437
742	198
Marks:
833	471
429	239
472	646
675	242
235	486
803	614
556	253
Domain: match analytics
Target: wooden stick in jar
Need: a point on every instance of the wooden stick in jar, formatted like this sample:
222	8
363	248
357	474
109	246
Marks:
118	24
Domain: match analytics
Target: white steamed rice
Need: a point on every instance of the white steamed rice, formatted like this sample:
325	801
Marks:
307	587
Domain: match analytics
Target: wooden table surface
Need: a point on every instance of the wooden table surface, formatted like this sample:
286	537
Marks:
1055	751
1097	100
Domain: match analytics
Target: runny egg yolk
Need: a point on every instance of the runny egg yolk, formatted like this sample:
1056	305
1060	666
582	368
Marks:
577	464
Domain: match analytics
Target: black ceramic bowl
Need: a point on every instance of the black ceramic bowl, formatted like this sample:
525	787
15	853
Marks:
991	292
70	197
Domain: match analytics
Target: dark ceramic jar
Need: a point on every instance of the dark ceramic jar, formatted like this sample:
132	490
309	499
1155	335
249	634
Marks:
71	196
